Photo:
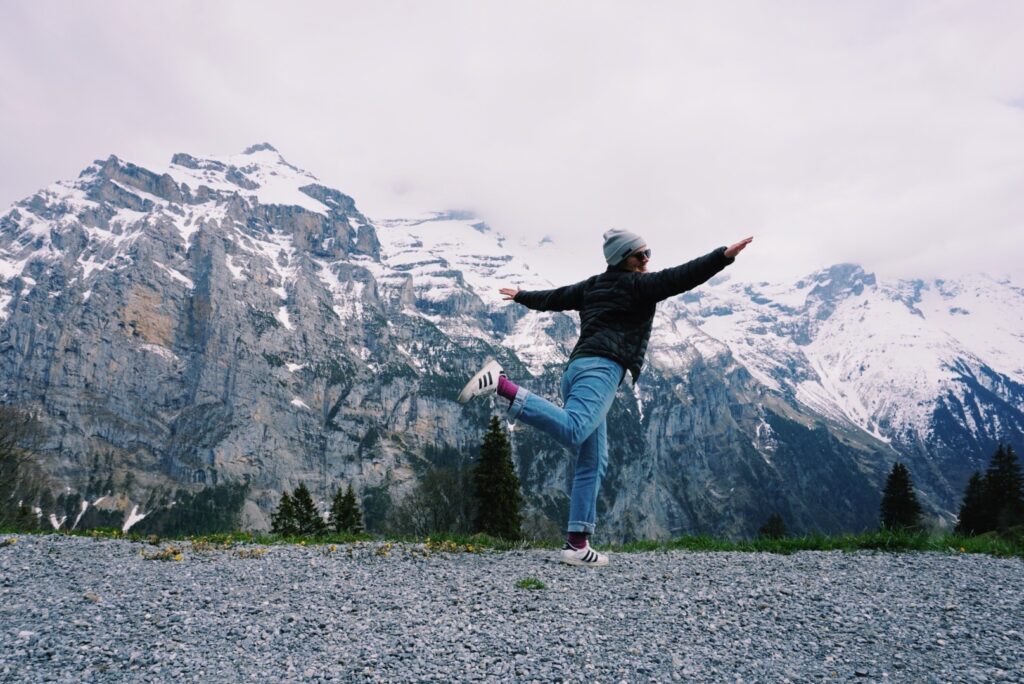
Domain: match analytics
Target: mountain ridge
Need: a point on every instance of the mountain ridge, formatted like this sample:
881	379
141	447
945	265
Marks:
235	318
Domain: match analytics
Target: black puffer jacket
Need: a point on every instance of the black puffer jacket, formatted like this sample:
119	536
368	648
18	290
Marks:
617	307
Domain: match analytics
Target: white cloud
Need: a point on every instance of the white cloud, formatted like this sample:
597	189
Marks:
885	133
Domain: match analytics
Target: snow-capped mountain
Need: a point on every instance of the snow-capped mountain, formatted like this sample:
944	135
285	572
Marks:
454	265
933	368
233	318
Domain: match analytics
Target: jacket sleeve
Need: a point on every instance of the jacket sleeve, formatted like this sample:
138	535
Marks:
672	281
565	298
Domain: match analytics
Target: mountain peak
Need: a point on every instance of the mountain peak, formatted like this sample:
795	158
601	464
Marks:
837	280
260	147
259	156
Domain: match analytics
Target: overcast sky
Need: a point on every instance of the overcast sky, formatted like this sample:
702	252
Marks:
887	133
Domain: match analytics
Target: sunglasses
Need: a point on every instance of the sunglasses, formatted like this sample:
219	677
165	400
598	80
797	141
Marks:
642	254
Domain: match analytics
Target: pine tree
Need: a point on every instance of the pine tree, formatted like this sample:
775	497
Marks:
1004	489
282	521
337	514
354	520
308	521
773	528
973	518
900	509
345	514
497	486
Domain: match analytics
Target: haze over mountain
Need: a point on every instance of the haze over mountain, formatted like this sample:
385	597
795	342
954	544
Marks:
230	319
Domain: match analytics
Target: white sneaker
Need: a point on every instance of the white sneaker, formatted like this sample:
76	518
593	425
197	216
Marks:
484	383
586	556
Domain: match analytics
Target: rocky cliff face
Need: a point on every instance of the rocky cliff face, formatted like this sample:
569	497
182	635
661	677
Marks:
234	319
219	319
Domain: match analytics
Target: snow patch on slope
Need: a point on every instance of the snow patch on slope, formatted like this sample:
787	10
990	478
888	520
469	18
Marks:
270	179
454	260
132	518
176	275
282	317
532	343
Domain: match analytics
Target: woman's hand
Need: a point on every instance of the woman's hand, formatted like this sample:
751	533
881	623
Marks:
732	251
509	292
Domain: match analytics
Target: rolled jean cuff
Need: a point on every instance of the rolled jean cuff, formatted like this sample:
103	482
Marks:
577	526
517	404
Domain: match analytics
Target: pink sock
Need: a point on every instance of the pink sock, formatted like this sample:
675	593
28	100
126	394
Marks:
577	540
506	388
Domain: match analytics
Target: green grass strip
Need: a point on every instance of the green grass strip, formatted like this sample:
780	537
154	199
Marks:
991	544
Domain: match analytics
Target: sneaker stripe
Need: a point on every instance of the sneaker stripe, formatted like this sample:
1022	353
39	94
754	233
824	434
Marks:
486	380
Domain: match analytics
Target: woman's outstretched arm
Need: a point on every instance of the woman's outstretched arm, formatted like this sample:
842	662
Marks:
559	299
664	284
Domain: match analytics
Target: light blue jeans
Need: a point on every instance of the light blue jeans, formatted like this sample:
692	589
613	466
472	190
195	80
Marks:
588	389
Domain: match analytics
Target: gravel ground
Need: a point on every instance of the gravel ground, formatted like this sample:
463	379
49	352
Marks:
79	609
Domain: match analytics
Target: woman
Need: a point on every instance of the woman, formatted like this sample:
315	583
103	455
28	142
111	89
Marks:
616	313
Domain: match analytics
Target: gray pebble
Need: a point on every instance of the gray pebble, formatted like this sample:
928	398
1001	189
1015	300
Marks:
300	613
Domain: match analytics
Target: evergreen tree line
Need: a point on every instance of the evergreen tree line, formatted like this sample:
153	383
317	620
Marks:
993	501
211	510
484	497
449	498
298	516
